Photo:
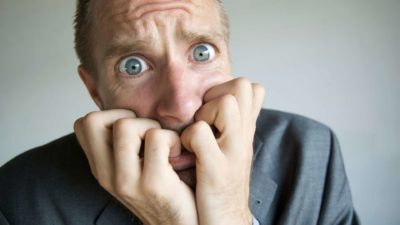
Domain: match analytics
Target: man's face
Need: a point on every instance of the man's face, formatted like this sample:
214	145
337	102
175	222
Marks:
158	58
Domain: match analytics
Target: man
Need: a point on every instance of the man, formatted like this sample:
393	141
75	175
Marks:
178	140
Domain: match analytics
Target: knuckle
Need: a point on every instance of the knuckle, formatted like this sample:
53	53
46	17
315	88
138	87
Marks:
124	190
154	134
198	128
92	118
227	101
87	123
151	188
242	83
122	125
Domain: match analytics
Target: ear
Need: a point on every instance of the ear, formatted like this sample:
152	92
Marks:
90	83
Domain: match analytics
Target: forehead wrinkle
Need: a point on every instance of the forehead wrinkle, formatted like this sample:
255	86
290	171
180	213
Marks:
123	38
138	11
201	33
127	14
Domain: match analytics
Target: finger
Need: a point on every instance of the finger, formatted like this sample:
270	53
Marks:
81	139
127	138
223	113
158	145
95	127
107	118
199	139
240	88
94	136
258	99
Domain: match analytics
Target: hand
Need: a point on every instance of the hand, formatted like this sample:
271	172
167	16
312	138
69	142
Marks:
147	186
224	157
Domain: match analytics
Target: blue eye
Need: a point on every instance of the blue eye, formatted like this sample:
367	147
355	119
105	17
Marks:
133	66
203	52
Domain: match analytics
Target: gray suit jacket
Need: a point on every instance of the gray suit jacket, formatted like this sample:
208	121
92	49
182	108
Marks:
298	177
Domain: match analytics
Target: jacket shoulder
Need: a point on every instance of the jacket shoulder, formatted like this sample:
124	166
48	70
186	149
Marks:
41	181
296	126
292	145
302	158
50	155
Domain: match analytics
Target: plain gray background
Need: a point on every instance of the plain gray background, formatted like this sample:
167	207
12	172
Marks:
335	61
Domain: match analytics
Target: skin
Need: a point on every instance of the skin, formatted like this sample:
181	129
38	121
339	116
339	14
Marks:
193	120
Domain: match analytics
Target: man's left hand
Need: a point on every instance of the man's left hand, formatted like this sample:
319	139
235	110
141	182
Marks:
222	141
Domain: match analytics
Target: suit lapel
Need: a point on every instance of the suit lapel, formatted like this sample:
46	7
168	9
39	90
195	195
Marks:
263	188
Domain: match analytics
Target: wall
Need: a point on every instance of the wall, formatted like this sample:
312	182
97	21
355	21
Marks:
335	61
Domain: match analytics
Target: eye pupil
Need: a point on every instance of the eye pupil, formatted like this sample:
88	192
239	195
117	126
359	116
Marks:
133	66
203	52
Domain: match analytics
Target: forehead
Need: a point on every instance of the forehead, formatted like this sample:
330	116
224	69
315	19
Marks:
119	19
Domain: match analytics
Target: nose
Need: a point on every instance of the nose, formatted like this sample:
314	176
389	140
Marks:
181	94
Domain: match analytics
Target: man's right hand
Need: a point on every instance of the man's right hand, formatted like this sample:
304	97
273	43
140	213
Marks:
147	186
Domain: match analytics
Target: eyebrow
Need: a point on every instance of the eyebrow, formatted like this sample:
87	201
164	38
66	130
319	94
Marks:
195	37
116	48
